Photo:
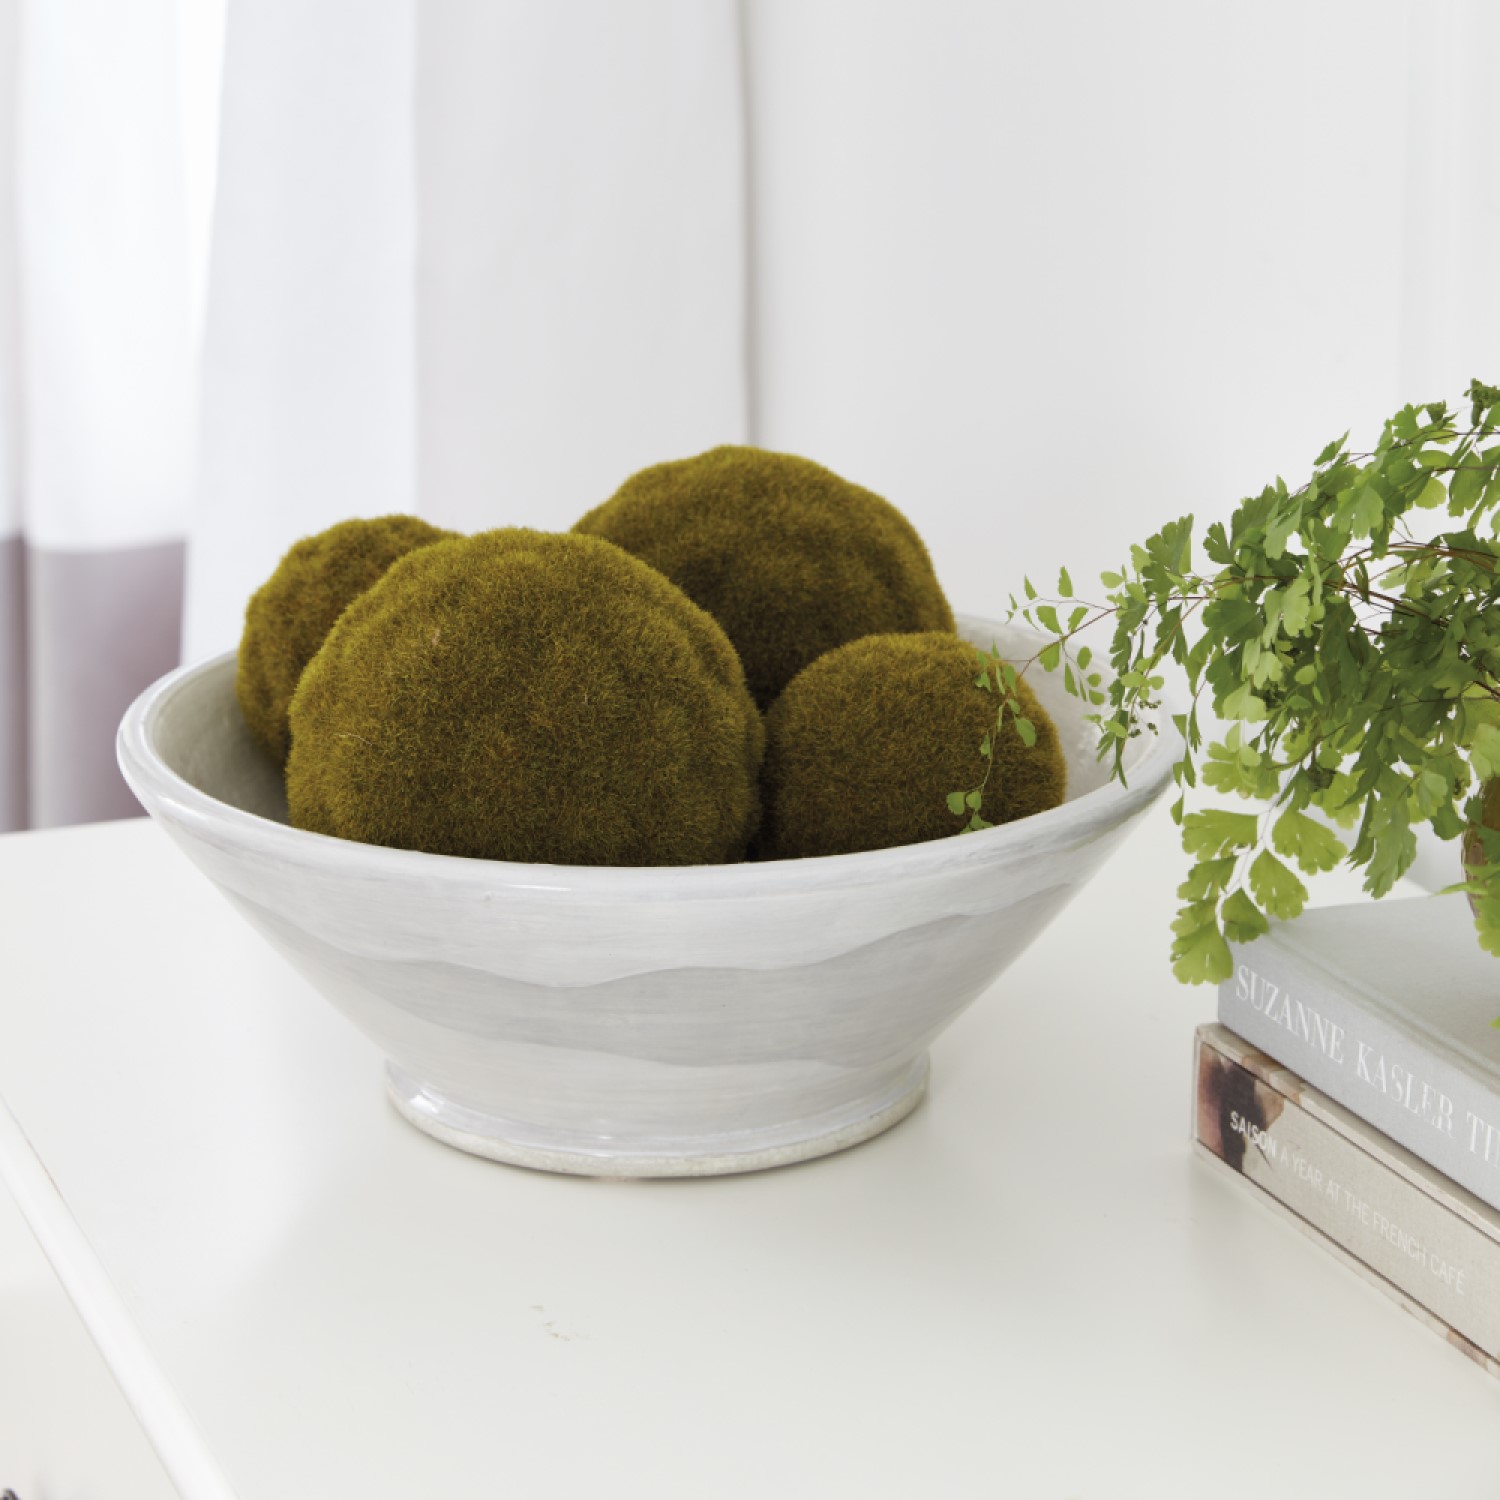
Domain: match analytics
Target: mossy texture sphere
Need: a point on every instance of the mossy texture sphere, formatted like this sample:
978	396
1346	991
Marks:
521	696
864	746
790	559
292	612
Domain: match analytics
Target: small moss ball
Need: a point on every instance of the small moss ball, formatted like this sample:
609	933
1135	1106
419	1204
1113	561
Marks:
789	558
864	746
522	696
292	612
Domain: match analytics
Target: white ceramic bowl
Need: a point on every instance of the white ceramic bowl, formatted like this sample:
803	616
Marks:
635	1022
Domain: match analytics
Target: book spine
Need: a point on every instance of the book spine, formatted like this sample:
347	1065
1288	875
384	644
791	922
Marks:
1415	1248
1333	1038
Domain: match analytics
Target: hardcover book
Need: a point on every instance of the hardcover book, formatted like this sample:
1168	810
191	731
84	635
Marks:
1387	1007
1382	1210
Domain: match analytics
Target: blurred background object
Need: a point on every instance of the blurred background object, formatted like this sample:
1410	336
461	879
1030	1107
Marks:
1044	276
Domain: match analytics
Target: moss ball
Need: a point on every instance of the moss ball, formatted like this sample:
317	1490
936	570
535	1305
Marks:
521	696
790	559
295	608
864	746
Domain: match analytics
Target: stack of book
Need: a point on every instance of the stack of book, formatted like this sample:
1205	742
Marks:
1354	1080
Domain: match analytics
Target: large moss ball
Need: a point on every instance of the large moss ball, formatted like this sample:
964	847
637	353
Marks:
292	612
789	558
866	743
522	696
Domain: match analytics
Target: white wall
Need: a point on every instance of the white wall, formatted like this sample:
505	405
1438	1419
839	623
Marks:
1049	275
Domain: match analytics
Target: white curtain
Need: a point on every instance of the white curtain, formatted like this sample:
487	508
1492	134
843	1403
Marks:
96	400
1044	276
474	261
14	792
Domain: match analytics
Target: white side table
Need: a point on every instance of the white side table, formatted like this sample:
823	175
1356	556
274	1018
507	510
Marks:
1028	1288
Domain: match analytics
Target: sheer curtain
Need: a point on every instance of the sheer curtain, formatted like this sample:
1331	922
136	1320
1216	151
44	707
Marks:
474	261
96	398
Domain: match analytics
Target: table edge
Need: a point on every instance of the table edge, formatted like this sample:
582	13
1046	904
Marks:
169	1428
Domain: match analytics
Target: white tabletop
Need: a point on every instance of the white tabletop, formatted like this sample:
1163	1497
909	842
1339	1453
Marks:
1030	1287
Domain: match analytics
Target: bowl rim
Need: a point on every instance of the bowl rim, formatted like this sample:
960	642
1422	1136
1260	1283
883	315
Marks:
166	795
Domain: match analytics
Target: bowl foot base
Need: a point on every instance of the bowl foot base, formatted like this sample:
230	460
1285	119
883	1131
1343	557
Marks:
520	1145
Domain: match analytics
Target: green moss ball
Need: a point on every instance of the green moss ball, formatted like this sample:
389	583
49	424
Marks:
295	608
790	559
522	696
864	746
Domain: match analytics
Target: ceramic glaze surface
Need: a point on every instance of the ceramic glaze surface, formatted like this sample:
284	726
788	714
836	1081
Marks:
629	1022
